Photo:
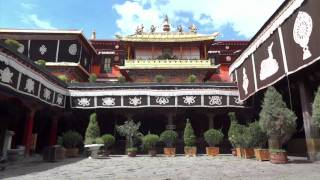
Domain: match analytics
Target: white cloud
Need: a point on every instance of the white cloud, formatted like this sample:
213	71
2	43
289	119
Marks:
32	19
245	16
27	6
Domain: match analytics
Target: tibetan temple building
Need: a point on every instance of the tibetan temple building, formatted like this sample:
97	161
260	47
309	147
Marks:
160	77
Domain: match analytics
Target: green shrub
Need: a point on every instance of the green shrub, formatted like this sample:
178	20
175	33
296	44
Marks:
169	137
93	130
130	130
121	79
159	78
192	78
92	77
259	138
71	139
235	132
276	119
63	78
149	141
188	135
13	44
213	137
316	108
41	62
277	151
132	150
108	140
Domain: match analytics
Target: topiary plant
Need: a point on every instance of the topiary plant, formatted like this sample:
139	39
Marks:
276	119
316	108
130	130
259	138
188	135
213	137
108	140
235	131
92	77
159	78
192	78
71	139
149	141
93	130
169	137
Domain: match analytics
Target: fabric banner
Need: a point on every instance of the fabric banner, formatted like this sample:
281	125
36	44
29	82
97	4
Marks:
245	78
69	51
43	49
215	100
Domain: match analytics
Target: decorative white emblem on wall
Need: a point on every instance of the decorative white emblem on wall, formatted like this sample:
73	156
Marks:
21	48
268	66
84	101
46	94
59	99
162	100
73	49
189	100
237	101
43	49
6	75
302	31
29	86
245	81
135	101
108	101
215	100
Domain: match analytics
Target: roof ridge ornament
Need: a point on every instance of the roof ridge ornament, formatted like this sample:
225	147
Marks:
193	28
139	29
166	25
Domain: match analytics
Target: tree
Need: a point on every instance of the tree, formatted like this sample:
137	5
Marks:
188	135
41	62
92	77
192	78
276	119
316	108
130	130
93	130
13	44
159	78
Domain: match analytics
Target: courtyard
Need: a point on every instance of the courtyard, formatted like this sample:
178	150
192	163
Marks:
164	168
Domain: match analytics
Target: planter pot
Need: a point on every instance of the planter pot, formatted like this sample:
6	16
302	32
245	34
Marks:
262	154
171	152
212	151
239	152
234	152
72	152
152	152
132	154
107	152
190	151
278	157
248	153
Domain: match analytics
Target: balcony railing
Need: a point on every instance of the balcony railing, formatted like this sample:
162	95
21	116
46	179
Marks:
167	64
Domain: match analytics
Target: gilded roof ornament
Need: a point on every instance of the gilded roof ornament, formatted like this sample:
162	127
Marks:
180	29
193	28
139	29
152	29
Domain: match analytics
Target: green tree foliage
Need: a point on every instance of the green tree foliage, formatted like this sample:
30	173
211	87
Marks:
121	79
149	141
71	139
63	78
92	77
316	108
13	44
235	134
41	62
93	130
258	137
188	135
213	137
108	140
192	78
169	137
276	119
130	130
159	78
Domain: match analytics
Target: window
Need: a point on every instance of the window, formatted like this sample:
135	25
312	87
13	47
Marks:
107	64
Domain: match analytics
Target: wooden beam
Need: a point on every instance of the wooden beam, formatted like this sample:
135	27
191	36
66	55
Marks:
311	131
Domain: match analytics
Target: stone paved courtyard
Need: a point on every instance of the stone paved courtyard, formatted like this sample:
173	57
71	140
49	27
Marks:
147	168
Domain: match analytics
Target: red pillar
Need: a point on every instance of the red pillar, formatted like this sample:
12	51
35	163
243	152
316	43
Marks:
53	131
27	138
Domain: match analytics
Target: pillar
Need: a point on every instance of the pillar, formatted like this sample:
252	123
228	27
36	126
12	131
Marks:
53	131
311	131
211	120
27	138
170	124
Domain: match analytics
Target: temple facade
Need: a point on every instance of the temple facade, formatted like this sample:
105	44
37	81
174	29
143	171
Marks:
160	77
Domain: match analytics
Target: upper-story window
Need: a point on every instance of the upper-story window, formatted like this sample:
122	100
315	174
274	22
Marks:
106	66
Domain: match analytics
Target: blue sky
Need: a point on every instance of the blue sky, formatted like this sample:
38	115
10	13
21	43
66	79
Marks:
234	19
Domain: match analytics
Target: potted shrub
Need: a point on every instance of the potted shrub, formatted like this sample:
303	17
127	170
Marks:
316	108
213	137
159	78
149	142
247	143
235	135
231	136
278	122
259	139
191	78
169	137
189	140
130	130
93	130
108	141
71	141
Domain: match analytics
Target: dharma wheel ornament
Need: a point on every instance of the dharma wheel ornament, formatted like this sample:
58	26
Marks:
302	31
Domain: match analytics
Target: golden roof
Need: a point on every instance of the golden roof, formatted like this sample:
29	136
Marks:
168	37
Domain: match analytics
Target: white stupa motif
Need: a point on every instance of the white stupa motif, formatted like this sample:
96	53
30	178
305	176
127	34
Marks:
245	81
302	31
269	66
